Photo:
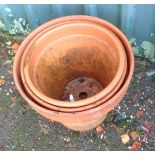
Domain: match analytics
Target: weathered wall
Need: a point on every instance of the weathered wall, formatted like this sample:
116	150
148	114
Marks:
136	21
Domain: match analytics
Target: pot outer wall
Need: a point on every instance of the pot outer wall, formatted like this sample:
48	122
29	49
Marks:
85	120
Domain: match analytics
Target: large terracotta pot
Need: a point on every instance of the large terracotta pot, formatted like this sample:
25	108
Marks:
87	119
49	66
98	33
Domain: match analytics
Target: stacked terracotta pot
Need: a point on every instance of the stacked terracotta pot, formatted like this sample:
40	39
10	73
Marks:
66	49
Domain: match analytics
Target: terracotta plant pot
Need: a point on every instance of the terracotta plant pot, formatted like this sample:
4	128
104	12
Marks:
49	66
116	41
86	119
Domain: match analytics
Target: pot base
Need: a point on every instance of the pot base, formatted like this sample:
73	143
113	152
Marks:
81	88
87	125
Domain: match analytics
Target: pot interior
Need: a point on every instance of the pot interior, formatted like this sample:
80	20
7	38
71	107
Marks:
71	57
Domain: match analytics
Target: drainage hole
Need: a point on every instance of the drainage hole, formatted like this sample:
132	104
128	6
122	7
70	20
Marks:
83	95
90	85
81	80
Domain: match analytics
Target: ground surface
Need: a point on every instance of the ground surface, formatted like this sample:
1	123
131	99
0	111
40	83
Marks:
21	128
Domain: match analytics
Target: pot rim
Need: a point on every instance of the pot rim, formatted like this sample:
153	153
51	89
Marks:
78	103
57	116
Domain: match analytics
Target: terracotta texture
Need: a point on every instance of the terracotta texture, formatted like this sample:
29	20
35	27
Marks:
86	119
